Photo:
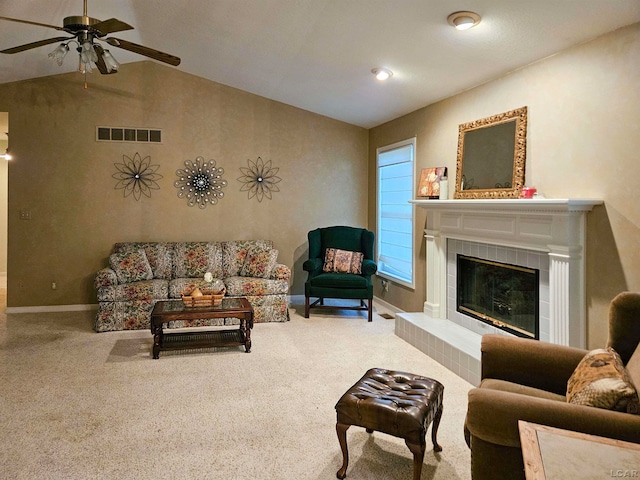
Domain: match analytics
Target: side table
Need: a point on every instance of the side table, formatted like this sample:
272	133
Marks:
551	453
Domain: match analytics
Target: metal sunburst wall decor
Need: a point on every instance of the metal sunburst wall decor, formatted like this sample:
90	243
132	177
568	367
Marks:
136	176
200	182
259	179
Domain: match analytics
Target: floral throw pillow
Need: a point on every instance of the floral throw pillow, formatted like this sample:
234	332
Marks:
600	380
131	266
259	262
342	261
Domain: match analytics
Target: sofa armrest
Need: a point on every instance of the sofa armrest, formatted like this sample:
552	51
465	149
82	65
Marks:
493	415
280	272
105	278
313	265
529	362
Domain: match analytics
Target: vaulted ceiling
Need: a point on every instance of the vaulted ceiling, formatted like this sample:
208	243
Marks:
318	54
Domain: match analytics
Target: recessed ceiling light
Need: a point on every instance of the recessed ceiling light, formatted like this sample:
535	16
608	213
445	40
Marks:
382	73
463	20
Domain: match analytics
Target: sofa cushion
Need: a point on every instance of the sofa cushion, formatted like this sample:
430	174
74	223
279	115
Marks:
243	286
339	280
131	266
259	262
600	380
234	253
342	261
159	255
194	259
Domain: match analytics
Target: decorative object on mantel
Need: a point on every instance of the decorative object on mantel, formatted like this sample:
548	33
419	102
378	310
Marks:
491	156
200	182
136	176
528	192
430	179
259	179
444	188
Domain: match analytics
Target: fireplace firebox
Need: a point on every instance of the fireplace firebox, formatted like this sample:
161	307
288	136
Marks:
499	294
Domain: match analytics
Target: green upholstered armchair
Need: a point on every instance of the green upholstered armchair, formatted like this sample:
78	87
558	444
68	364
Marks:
321	284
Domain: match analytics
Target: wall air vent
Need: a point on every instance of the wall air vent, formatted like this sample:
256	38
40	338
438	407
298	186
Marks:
128	134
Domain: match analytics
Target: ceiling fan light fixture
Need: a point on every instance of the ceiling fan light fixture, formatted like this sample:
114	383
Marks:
87	55
110	61
463	20
59	53
382	74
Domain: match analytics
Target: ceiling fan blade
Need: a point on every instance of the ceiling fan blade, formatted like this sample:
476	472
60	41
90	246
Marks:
146	51
31	23
110	26
40	43
102	67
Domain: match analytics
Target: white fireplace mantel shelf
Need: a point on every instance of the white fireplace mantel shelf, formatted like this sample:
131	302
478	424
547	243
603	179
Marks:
558	205
554	227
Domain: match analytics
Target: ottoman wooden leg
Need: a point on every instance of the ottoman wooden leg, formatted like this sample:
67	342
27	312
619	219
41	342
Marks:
418	458
341	430
434	430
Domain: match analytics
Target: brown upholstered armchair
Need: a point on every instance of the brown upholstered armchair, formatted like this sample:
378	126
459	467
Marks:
523	379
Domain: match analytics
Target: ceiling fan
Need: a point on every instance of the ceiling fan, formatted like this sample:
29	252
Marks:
85	30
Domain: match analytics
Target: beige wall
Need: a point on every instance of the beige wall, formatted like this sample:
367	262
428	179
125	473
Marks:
64	177
583	141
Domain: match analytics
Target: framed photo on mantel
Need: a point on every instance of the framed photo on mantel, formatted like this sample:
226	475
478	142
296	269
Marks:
429	185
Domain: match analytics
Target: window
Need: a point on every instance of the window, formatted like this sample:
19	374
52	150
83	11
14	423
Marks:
395	166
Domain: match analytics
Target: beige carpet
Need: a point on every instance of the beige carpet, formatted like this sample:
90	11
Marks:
81	405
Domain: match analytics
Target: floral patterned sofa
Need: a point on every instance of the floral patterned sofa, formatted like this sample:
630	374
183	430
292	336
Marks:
141	273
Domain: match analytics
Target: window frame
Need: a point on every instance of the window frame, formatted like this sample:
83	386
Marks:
381	272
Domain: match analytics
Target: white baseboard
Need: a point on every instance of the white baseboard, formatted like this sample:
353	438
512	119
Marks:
386	306
53	308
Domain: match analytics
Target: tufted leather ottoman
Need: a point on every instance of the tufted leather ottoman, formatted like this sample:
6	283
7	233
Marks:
398	403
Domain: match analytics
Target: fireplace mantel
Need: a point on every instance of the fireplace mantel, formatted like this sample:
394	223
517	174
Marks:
554	226
559	205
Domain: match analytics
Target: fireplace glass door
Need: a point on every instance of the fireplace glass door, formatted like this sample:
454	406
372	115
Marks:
503	295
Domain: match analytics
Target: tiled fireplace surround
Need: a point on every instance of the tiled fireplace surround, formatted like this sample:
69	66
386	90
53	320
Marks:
546	234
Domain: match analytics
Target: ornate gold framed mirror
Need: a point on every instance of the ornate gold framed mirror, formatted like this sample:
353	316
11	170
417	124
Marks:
491	156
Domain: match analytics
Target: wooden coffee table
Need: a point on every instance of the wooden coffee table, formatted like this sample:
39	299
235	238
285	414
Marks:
166	311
